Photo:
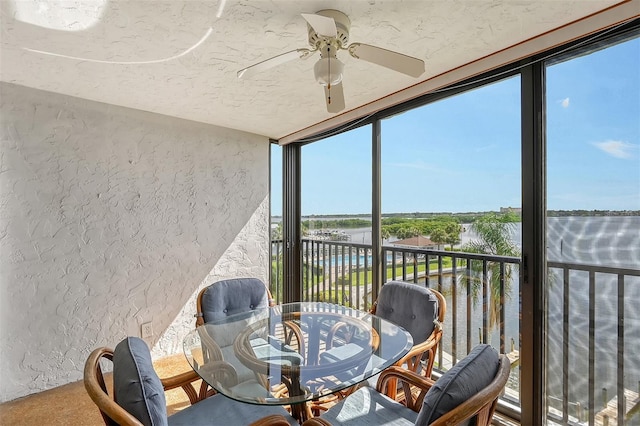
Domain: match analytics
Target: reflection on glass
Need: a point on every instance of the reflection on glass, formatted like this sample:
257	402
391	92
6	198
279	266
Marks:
593	236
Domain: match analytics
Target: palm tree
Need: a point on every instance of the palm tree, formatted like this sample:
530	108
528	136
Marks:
494	238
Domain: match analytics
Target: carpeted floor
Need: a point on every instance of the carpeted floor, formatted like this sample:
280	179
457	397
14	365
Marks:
69	405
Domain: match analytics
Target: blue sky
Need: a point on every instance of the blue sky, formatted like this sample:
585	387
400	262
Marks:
462	153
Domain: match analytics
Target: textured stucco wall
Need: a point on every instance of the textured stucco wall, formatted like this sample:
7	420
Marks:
112	217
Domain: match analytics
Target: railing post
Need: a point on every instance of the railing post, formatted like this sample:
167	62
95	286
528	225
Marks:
579	412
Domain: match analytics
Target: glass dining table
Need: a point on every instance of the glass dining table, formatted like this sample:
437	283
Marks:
293	353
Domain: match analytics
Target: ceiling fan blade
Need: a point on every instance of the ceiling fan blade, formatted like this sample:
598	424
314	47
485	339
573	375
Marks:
393	60
323	25
273	62
334	98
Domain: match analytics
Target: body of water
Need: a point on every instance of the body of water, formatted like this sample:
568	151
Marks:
596	241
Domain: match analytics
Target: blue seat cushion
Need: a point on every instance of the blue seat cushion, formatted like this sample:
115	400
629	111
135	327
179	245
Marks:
468	377
137	387
367	407
411	306
237	295
220	410
339	353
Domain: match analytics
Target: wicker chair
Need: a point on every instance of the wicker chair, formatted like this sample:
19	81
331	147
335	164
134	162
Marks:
138	393
401	303
467	392
235	296
419	310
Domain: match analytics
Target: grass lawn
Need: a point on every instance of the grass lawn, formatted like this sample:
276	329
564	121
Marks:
433	266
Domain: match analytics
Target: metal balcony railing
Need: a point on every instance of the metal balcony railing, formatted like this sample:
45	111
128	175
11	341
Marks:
483	306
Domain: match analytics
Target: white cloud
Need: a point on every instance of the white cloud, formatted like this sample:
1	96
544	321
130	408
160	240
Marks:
618	149
565	103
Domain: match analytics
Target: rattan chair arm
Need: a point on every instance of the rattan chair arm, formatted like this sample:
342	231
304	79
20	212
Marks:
316	421
423	347
179	380
95	386
272	420
407	378
332	333
185	381
291	328
199	315
374	307
270	300
414	356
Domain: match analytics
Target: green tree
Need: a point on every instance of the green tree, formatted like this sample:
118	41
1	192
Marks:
438	236
452	232
494	238
407	232
276	232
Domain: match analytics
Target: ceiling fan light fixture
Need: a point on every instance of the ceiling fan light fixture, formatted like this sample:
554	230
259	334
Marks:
328	71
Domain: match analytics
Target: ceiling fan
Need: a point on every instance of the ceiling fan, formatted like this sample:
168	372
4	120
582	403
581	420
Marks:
329	32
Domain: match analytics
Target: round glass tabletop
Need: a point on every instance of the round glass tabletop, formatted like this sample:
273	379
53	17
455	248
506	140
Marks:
295	352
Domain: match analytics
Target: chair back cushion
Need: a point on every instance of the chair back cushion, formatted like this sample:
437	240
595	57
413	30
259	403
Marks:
468	377
411	306
228	297
136	386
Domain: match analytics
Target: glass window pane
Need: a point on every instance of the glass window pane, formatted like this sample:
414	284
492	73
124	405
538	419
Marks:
336	222
276	278
451	185
593	236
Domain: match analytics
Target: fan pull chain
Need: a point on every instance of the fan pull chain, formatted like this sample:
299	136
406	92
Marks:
329	76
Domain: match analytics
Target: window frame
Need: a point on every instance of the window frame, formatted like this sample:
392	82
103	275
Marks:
533	166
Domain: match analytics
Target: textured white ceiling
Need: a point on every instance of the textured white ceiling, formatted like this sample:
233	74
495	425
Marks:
180	59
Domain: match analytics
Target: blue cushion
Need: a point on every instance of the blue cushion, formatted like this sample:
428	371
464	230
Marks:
137	387
367	407
411	306
468	377
339	353
228	297
220	410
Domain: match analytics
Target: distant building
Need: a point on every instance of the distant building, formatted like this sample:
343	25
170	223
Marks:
517	210
416	242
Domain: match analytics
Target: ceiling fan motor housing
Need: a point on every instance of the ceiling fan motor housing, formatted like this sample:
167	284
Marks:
343	25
